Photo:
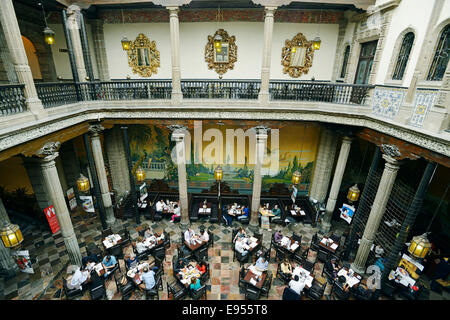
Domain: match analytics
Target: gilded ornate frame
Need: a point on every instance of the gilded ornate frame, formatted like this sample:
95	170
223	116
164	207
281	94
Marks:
221	67
143	42
299	40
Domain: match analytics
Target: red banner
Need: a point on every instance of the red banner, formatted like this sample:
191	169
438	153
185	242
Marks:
50	213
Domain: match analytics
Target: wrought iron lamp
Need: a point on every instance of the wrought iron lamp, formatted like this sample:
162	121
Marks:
218	175
420	246
49	34
140	174
11	235
296	177
316	42
353	193
83	183
126	44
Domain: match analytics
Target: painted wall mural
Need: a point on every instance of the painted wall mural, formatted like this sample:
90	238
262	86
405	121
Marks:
228	145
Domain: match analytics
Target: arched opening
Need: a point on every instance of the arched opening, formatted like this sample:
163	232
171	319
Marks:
32	57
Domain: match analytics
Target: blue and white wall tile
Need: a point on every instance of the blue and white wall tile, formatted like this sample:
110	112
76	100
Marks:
424	100
386	102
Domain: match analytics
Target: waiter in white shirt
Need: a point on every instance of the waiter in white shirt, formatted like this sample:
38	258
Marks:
188	235
239	246
79	278
204	236
160	206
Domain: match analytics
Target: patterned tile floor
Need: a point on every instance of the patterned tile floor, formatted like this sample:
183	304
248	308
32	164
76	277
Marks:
50	260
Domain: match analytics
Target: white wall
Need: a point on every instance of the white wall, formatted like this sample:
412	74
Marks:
62	62
409	14
194	36
117	58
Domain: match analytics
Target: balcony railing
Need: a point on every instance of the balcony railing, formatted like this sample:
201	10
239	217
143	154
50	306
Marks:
220	89
12	99
319	91
60	93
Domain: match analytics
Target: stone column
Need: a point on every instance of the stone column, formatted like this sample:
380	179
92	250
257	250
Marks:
48	153
73	20
101	172
34	172
117	160
177	95
267	49
18	57
178	135
6	60
98	37
71	165
7	263
324	165
339	50
376	213
260	147
336	185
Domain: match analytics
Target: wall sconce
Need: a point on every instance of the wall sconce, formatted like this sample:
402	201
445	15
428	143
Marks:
11	235
83	183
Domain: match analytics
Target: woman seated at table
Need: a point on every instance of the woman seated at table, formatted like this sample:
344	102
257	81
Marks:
140	246
239	246
240	234
148	233
201	267
176	212
286	268
131	261
204	236
277	236
226	215
244	214
195	284
262	264
342	282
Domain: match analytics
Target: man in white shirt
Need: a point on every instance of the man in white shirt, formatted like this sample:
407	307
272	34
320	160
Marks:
79	278
140	246
160	206
262	264
239	247
188	235
297	285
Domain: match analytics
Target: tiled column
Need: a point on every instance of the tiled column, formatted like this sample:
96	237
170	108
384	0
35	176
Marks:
324	165
261	143
101	172
336	185
117	160
73	12
18	57
48	153
376	213
267	49
98	37
6	261
178	135
177	96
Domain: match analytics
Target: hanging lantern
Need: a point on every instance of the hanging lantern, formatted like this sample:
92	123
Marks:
218	173
296	176
49	36
353	193
140	175
83	183
316	43
11	235
420	246
126	44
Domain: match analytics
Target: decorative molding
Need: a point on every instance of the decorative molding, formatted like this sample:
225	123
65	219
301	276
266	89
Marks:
391	150
299	40
142	42
221	67
48	149
92	111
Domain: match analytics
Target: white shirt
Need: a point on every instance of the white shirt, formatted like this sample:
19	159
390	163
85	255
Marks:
188	235
78	278
239	247
297	286
205	236
140	247
176	211
159	206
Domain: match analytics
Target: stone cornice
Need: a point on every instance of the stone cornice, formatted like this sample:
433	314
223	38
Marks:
73	114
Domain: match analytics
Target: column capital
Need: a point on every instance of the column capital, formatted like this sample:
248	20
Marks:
391	163
347	139
261	130
178	132
95	129
270	10
173	10
49	151
391	150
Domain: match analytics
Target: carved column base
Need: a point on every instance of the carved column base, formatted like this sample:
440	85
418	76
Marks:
177	98
264	98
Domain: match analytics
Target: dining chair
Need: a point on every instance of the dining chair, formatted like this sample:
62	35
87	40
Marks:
252	294
177	290
198	294
267	285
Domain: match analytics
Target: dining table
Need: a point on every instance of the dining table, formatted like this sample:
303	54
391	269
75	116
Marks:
304	276
328	244
351	277
255	277
187	273
111	240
